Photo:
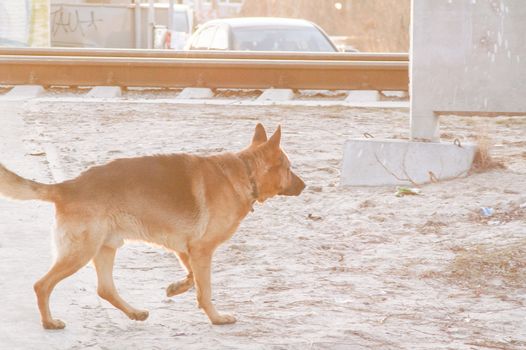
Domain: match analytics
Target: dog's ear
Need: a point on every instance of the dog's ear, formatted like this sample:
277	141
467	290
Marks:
260	135
275	139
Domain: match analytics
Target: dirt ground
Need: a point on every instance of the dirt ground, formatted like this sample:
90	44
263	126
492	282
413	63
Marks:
336	268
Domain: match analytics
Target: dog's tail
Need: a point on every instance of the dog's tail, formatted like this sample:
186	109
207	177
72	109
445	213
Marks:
16	187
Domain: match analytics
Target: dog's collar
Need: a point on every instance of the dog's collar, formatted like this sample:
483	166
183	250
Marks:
255	192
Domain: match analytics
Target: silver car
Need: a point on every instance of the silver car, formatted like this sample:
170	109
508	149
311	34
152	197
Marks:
260	34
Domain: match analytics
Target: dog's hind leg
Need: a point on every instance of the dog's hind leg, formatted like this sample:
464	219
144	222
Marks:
103	262
185	284
67	263
201	261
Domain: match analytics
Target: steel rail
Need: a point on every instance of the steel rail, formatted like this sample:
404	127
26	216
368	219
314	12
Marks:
326	56
213	70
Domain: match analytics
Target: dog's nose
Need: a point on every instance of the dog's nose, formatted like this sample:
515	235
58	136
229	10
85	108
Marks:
302	187
299	186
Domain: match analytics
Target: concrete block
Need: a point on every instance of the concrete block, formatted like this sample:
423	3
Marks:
195	93
396	162
105	92
276	95
363	96
20	92
395	94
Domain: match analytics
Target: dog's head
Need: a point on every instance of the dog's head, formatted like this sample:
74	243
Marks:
272	170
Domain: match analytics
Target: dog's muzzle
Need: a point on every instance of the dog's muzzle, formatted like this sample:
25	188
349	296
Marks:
295	188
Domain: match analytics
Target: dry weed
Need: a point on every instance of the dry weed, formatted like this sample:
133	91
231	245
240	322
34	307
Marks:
495	344
367	204
483	266
483	161
432	226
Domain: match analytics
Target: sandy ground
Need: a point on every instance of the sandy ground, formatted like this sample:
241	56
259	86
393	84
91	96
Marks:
336	268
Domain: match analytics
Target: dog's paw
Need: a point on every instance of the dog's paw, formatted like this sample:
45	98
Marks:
178	287
139	315
53	324
223	319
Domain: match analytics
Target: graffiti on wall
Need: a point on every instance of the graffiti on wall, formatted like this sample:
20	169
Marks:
81	25
72	21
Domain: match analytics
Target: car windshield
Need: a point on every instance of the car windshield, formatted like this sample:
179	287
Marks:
280	39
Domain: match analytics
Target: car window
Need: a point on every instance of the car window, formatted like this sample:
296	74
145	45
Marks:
220	41
281	39
204	40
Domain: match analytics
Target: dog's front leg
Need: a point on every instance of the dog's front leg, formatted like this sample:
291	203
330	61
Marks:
201	261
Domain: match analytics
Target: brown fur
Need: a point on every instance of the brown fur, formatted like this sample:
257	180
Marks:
185	203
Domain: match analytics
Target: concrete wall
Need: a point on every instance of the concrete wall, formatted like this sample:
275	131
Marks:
14	23
112	25
83	25
24	23
466	56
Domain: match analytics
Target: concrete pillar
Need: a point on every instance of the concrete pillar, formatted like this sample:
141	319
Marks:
39	34
467	56
424	123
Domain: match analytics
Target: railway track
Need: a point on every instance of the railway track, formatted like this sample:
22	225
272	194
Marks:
240	70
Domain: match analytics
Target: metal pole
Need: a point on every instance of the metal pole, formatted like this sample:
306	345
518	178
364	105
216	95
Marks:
171	15
151	23
138	37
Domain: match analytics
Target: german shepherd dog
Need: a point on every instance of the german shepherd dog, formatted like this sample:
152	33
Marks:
185	203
